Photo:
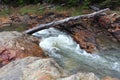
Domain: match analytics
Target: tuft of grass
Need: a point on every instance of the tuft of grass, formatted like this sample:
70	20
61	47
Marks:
5	12
32	9
40	10
15	27
71	10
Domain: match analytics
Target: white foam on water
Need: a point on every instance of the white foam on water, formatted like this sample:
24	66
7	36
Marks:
60	45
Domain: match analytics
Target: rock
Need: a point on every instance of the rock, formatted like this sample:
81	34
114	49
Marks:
26	18
15	45
32	68
116	33
109	78
88	30
5	21
85	39
15	18
81	76
112	24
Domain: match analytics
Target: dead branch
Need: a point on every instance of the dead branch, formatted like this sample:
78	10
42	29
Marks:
54	23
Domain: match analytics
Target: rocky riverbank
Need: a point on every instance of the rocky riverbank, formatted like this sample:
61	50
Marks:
15	45
85	31
35	68
98	34
24	59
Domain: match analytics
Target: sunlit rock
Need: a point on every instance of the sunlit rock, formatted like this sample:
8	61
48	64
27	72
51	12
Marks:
32	68
15	45
81	76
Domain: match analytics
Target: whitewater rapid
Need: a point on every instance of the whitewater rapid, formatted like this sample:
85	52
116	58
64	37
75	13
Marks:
71	57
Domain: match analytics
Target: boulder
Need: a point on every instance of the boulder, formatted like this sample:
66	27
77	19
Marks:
86	40
111	22
35	68
32	68
81	76
15	45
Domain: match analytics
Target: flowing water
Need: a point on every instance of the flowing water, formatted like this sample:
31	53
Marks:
72	58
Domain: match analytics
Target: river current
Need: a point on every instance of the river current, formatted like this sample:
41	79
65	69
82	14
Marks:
72	58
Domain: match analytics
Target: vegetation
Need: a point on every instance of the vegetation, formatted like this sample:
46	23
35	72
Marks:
73	7
102	3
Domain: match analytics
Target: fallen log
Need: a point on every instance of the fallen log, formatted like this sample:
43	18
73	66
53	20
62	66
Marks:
54	23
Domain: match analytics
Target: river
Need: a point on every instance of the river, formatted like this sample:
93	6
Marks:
60	46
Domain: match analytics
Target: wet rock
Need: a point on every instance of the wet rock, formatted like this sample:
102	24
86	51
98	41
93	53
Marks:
88	30
81	76
15	45
112	24
83	33
32	68
86	40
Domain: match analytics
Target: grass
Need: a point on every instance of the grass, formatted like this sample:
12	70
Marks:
5	12
73	11
32	9
15	27
40	10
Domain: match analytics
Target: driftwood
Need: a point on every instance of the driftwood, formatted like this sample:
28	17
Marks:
54	23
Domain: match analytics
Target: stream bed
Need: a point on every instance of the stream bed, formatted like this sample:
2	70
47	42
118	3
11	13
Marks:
72	58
